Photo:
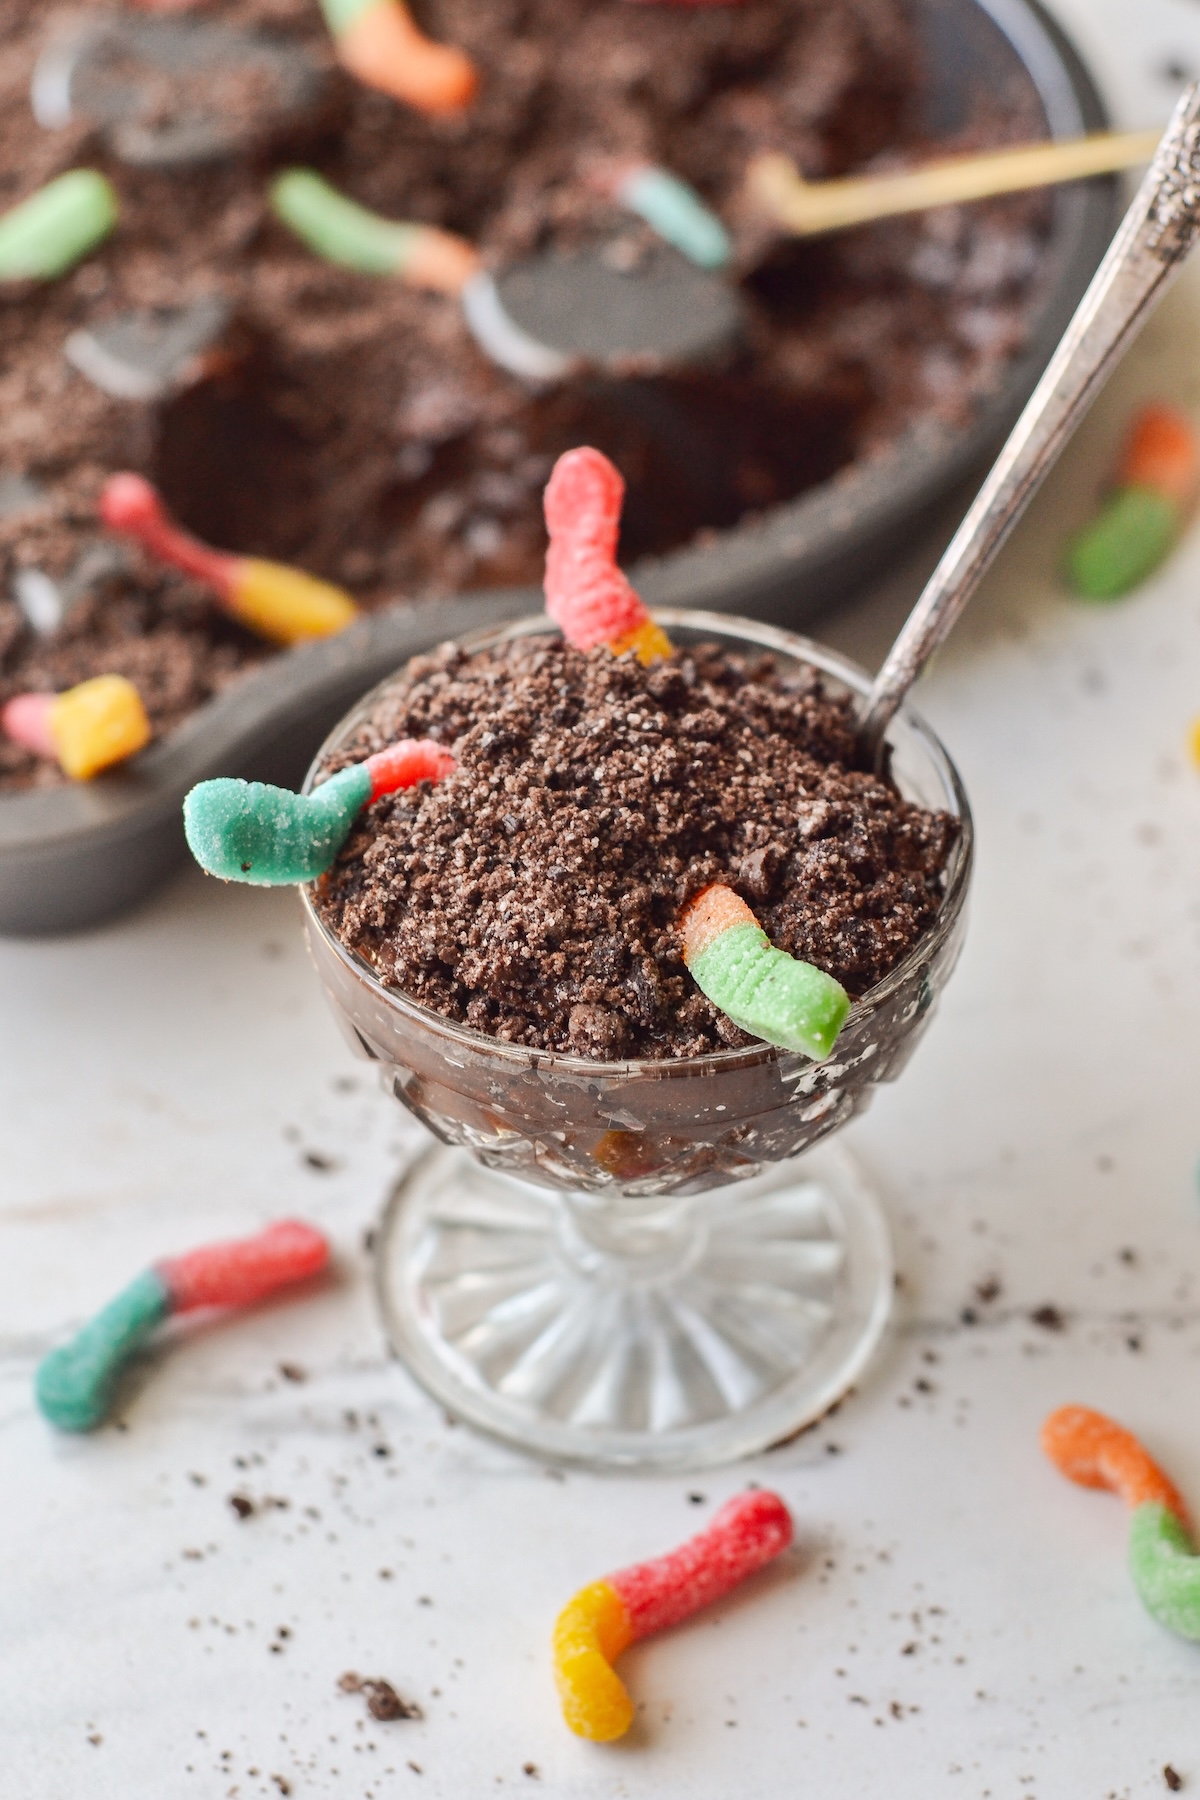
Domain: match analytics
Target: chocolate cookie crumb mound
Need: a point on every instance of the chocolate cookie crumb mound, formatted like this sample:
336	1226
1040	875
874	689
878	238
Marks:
533	894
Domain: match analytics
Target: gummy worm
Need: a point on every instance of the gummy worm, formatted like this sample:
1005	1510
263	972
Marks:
75	1384
379	42
669	206
281	604
85	729
1096	1452
48	234
764	990
1155	483
343	232
587	595
270	837
604	1618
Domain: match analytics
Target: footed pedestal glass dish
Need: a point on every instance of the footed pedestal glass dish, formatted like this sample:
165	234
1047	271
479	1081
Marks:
645	1265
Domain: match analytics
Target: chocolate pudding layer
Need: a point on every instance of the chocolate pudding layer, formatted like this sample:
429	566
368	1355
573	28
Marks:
351	425
533	895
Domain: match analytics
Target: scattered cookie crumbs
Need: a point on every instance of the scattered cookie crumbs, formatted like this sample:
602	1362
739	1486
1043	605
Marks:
383	1702
318	1160
293	1372
697	1499
1048	1317
1172	1777
242	1505
697	769
282	1783
531	1769
988	1289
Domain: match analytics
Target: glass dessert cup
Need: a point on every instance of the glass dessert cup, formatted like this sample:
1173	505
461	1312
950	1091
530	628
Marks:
645	1265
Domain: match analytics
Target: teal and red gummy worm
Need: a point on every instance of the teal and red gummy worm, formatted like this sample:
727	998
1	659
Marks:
270	837
75	1383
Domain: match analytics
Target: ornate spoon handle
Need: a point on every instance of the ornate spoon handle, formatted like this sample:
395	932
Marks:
1155	236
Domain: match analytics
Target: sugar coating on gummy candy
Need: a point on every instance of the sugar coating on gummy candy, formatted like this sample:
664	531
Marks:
765	991
268	836
74	1384
244	1269
405	763
590	1633
745	1533
604	1618
587	595
1165	1568
1095	1451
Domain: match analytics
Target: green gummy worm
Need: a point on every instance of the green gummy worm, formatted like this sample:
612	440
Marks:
267	836
75	1383
770	994
48	233
1165	1568
338	229
678	214
341	14
1128	540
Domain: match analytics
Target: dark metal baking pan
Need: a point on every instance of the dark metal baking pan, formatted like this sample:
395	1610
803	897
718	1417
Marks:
71	856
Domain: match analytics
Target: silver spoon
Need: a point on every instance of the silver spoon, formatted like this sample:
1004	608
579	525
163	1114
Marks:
1155	236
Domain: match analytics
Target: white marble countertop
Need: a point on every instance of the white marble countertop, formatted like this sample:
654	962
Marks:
956	1620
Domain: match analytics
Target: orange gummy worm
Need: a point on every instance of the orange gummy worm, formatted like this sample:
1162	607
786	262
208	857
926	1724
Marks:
1097	1452
1161	453
386	48
710	912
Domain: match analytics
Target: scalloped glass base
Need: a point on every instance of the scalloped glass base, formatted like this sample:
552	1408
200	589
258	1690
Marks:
623	1333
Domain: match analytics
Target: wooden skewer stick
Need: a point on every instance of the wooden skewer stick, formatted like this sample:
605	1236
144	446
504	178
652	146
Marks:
807	208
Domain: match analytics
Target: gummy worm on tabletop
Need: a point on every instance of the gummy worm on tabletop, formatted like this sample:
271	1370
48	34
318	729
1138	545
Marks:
603	1619
76	1384
1141	520
1096	1452
245	831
